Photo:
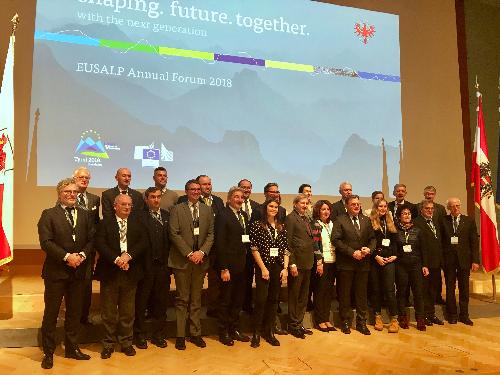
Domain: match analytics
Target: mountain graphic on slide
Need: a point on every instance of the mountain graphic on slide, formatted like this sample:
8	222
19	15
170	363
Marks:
91	148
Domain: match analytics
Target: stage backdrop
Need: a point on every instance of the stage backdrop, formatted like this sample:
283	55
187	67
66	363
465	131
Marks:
294	92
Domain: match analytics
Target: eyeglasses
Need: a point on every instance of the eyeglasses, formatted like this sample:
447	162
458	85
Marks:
194	189
83	178
68	192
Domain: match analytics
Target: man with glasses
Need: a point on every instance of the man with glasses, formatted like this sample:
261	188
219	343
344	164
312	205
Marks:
65	232
90	203
121	242
191	230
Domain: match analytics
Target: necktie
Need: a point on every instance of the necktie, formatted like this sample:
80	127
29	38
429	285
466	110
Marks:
431	225
81	201
157	216
123	231
356	224
455	224
246	208
195	213
208	201
69	215
241	220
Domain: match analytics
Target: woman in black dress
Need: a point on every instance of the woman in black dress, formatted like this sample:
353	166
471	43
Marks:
270	251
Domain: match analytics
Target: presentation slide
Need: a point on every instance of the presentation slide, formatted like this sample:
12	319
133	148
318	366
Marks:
289	91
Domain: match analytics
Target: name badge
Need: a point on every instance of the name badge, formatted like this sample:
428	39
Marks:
196	231
386	242
245	238
273	251
407	248
454	240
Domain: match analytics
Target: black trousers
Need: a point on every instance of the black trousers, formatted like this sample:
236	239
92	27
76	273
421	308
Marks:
118	310
72	291
266	298
231	301
298	292
453	274
323	293
431	283
249	273
409	275
154	288
382	279
356	280
213	289
87	293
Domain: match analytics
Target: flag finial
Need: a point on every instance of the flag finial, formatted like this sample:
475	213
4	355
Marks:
15	22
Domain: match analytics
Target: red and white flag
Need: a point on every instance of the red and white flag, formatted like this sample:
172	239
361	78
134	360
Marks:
7	157
483	195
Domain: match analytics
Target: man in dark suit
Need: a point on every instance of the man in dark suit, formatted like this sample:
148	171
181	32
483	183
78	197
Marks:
251	208
339	208
123	177
168	197
120	241
400	192
154	287
461	255
354	240
232	243
302	253
65	234
191	230
439	214
90	203
271	191
431	243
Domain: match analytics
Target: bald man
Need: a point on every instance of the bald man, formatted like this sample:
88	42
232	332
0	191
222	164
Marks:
123	178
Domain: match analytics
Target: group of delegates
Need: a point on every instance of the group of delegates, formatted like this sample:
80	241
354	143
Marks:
144	238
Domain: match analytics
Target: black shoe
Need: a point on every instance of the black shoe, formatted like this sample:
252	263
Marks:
198	341
305	330
466	321
106	353
238	336
434	319
255	341
47	361
141	343
77	354
225	339
129	351
322	329
159	342
362	328
452	320
297	332
280	331
271	339
428	322
212	314
345	328
180	343
332	328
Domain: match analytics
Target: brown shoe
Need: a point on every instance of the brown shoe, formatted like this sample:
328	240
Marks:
379	324
394	326
403	322
421	324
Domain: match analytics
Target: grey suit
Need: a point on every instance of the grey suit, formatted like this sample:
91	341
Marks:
168	199
189	276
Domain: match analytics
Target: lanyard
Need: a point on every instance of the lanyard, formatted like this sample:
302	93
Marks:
326	227
407	235
273	237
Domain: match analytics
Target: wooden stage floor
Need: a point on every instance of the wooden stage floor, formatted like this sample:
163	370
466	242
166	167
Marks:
450	349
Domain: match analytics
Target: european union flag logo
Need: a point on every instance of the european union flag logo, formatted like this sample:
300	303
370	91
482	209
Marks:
151	154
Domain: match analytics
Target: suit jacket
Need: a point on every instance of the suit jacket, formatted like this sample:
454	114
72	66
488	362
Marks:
255	207
168	199
56	239
413	209
182	237
230	251
257	214
217	203
108	198
431	245
158	239
92	206
346	240
467	248
338	209
300	241
107	243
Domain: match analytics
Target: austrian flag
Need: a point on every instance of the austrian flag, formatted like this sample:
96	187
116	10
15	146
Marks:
483	195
